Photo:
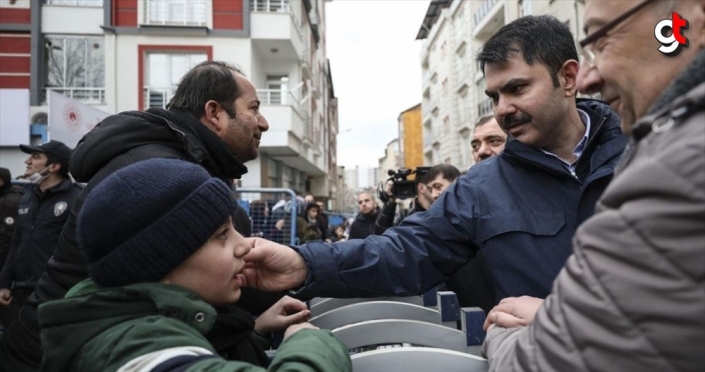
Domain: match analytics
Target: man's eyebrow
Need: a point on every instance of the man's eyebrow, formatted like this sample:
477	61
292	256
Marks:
509	85
256	101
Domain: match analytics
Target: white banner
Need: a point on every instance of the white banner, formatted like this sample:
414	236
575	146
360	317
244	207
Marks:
70	120
14	117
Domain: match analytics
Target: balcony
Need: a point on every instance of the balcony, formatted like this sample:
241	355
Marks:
290	131
277	30
91	96
175	13
488	19
484	107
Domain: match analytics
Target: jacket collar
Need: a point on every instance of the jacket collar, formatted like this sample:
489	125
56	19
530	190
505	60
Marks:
605	126
167	299
202	144
687	90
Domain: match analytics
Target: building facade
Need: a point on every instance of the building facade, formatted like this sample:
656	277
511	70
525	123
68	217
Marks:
453	86
390	161
410	138
120	55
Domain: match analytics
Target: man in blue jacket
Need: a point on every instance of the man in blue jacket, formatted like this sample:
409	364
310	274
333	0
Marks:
517	211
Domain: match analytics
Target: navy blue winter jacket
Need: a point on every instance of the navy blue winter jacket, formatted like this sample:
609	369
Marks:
517	211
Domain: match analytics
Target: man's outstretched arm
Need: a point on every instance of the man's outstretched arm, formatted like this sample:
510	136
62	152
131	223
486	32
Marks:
408	259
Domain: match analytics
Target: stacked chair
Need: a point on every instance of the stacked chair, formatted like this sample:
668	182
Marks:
417	333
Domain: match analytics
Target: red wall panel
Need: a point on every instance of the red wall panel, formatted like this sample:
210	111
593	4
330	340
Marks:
125	13
9	44
16	82
227	15
14	64
15	15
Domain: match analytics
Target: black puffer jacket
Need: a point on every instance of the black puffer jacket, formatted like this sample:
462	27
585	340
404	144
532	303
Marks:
118	141
364	225
41	216
9	200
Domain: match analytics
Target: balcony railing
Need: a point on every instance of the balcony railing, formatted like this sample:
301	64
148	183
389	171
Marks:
272	6
91	3
86	95
484	107
175	12
157	97
485	8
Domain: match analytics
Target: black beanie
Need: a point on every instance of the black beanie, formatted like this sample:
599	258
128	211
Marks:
144	220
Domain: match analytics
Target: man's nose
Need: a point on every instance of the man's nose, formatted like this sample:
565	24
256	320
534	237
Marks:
503	107
263	123
589	80
484	151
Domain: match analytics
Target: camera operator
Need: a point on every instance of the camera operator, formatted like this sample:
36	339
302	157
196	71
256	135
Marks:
429	183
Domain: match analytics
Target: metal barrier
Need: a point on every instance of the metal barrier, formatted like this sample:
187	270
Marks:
273	213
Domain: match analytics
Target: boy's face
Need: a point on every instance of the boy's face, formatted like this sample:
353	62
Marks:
212	271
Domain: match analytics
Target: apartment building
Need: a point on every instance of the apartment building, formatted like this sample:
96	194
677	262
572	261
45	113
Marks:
390	161
120	55
453	86
410	138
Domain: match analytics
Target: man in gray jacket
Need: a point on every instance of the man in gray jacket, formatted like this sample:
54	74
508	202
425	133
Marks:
632	296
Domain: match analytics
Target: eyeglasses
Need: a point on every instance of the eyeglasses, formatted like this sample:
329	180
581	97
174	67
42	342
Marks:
586	48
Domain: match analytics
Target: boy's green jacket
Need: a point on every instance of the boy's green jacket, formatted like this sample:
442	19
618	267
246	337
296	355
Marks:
158	326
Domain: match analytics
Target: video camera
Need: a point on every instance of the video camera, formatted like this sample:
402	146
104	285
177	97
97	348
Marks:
403	188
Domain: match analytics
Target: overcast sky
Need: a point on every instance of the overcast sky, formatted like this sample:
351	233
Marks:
376	66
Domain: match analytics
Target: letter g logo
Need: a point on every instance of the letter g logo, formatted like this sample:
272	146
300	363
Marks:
673	44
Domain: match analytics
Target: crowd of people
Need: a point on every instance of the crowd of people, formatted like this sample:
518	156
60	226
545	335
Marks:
580	230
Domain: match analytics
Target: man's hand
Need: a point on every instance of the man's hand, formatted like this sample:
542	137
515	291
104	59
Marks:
389	190
5	296
297	327
285	312
273	267
513	312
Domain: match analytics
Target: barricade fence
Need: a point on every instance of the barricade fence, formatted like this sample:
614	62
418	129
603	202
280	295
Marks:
272	211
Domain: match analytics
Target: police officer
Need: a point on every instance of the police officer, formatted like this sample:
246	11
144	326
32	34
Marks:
42	212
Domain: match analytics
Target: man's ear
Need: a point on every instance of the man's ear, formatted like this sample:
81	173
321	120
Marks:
212	110
54	168
568	77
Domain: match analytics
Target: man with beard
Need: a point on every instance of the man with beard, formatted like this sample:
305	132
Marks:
213	120
517	212
364	224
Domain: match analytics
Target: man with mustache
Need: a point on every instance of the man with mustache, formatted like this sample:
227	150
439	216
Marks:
631	297
213	120
517	212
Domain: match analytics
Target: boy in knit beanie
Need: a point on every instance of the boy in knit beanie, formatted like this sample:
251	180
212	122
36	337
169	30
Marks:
162	252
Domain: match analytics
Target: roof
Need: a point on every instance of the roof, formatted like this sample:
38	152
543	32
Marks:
432	13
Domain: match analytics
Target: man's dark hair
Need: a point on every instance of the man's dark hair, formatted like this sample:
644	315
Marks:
483	120
448	171
209	80
543	39
52	159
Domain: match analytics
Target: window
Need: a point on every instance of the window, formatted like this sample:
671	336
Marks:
272	173
94	3
277	90
175	12
446	125
466	148
163	71
75	66
525	8
287	177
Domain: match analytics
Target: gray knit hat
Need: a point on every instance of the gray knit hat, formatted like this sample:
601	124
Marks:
144	220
